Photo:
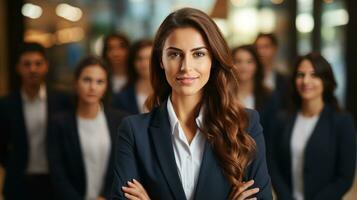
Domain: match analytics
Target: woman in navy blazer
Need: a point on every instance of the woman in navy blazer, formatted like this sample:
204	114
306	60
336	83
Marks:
69	140
328	156
131	99
251	79
197	142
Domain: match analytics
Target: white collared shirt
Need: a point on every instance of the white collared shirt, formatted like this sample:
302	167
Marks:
303	128
118	83
35	115
269	80
188	156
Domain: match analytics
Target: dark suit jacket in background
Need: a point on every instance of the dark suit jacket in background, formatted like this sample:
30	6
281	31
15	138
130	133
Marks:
330	157
66	162
126	100
144	152
14	149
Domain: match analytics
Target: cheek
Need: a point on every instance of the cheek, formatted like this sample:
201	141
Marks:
298	83
81	88
320	87
102	89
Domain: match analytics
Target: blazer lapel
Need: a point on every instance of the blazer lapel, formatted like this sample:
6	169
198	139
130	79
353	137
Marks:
21	129
286	142
161	135
76	144
318	136
211	177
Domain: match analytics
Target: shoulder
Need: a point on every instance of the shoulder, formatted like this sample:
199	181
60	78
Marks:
10	97
342	118
115	113
254	127
126	91
63	118
58	94
138	121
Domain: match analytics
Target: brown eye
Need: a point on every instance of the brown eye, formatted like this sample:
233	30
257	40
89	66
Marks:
198	54
300	75
174	55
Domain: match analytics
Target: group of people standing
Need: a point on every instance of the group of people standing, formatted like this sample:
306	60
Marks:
175	118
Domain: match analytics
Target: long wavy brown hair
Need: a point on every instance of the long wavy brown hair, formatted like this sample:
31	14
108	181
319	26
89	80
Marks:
224	120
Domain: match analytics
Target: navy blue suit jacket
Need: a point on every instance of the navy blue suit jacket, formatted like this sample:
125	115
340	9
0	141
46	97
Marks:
330	157
144	152
126	100
14	147
66	160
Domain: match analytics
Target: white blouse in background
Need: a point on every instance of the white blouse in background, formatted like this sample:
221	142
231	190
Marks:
249	101
303	128
118	83
95	143
141	98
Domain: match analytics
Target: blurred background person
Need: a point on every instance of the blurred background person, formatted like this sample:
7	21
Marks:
314	147
133	96
252	91
25	114
115	53
267	48
81	144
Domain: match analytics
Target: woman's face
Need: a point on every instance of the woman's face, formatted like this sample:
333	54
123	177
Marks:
186	61
142	62
245	64
117	51
92	84
308	85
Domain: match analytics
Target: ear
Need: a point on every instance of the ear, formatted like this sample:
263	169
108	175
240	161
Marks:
162	65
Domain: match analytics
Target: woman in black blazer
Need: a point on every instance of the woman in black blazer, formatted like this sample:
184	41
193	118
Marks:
197	142
253	93
314	148
81	142
131	99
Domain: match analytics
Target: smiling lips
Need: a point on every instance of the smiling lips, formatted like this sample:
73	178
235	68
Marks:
186	80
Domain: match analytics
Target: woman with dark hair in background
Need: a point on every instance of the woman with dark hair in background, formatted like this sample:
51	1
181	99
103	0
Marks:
81	142
197	142
252	91
314	148
115	53
132	98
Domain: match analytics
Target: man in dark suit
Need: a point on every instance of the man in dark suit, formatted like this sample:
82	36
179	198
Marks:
25	114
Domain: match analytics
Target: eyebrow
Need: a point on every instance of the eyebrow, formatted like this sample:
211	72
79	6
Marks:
194	49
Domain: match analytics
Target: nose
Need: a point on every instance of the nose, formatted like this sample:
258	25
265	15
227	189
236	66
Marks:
306	79
92	85
33	67
186	63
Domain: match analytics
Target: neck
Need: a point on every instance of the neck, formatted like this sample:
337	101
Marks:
31	91
267	70
87	111
119	70
143	85
245	89
186	108
311	108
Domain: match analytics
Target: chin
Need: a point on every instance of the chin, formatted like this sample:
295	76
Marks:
188	92
91	101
